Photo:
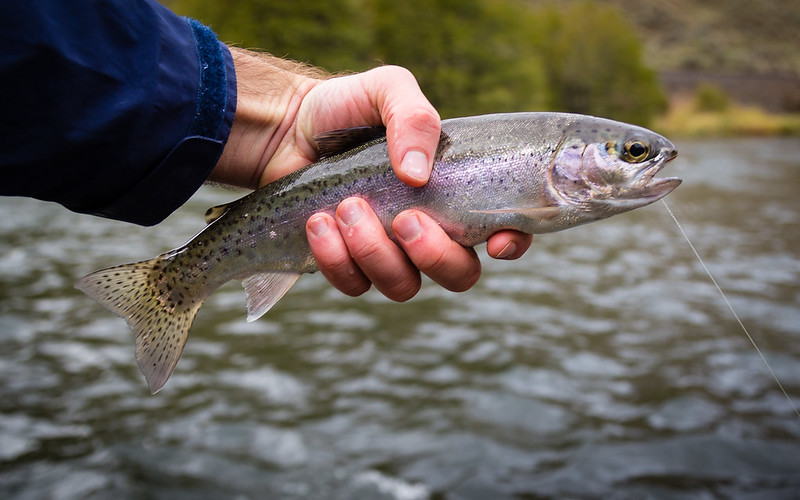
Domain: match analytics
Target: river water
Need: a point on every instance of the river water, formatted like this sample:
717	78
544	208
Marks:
603	364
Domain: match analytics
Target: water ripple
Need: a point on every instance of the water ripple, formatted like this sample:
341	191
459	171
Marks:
603	364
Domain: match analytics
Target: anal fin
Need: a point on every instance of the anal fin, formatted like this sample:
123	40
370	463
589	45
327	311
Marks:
264	290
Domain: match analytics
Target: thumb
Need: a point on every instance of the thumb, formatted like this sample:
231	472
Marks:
412	124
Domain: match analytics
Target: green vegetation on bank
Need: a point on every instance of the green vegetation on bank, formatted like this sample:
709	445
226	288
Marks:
710	112
484	56
683	121
470	56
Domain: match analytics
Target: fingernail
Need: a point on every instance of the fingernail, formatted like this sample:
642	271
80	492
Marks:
507	251
407	227
415	165
318	226
350	212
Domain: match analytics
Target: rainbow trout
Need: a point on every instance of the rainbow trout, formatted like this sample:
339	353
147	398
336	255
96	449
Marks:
533	172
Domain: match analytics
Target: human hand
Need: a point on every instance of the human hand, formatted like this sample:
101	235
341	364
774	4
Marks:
351	247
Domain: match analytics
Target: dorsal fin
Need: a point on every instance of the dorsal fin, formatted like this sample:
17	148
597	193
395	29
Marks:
215	213
335	142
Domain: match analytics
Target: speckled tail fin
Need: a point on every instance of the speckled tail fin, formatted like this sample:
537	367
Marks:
159	315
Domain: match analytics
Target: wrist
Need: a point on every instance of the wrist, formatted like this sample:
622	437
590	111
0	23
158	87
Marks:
269	93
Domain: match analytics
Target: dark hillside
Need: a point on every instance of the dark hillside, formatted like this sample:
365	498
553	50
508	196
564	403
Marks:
749	49
731	36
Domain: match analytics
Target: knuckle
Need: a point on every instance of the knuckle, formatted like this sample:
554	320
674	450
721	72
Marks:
420	121
341	267
345	277
463	281
467	280
328	259
434	262
395	72
404	289
452	273
370	252
354	288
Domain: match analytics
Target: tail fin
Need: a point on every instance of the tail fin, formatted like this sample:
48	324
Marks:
158	312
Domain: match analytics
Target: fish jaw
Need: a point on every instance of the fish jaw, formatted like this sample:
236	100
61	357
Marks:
656	189
597	178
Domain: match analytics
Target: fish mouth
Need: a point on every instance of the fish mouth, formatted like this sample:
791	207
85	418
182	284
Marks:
645	185
658	188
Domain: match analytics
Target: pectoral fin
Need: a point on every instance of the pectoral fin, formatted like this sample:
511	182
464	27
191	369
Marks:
540	213
264	290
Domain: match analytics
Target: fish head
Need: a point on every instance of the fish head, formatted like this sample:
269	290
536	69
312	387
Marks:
608	168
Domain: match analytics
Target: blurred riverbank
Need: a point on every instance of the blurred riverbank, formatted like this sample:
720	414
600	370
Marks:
705	104
683	119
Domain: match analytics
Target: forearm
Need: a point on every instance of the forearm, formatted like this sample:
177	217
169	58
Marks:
270	92
114	108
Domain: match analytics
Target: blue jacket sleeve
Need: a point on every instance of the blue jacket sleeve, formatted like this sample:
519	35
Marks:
117	108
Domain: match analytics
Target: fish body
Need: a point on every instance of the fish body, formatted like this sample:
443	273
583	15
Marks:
532	172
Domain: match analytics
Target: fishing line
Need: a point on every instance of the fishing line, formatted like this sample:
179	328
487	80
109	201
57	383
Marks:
730	306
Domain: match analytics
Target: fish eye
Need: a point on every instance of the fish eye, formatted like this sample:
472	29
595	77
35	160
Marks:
636	151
